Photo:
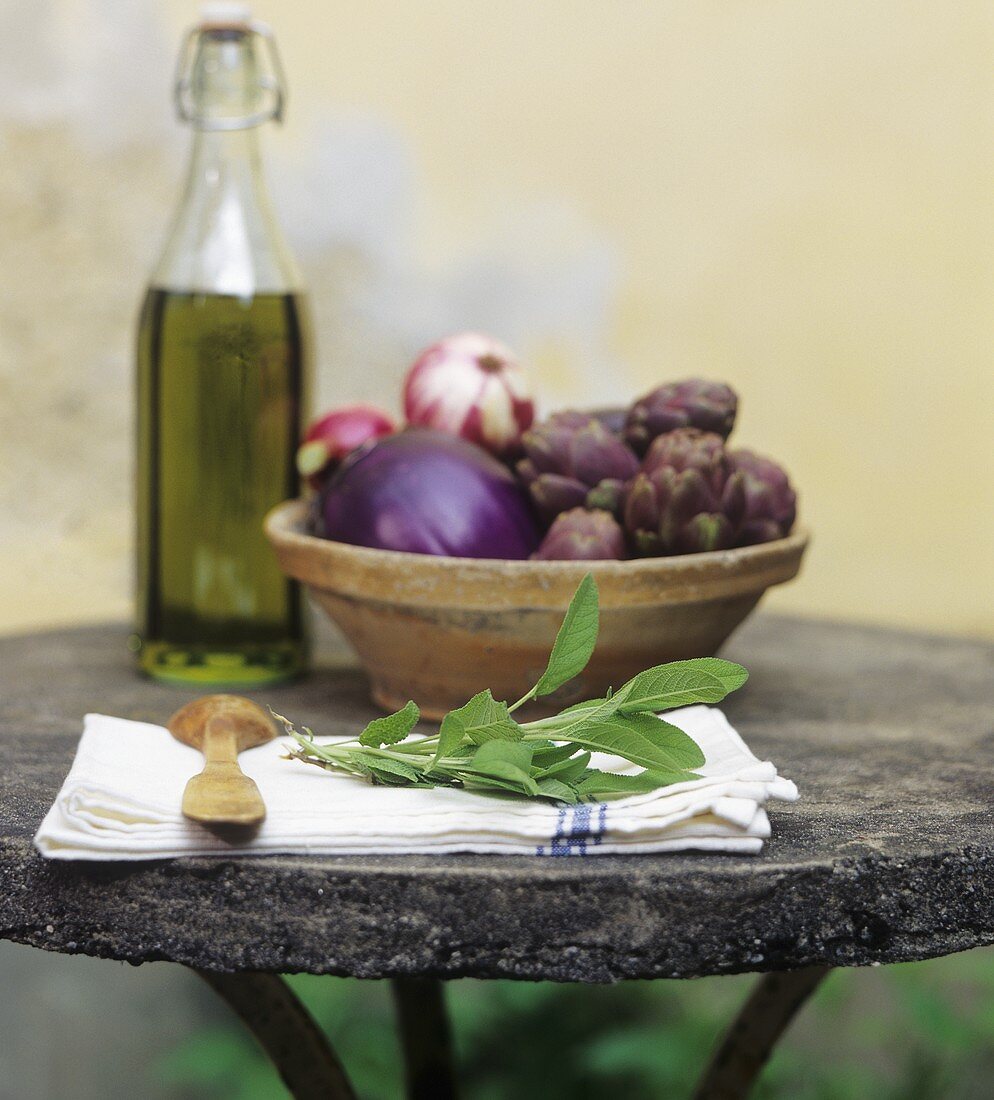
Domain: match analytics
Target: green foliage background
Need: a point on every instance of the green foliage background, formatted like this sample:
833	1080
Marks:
920	1031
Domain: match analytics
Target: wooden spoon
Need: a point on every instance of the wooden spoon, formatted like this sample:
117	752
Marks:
221	726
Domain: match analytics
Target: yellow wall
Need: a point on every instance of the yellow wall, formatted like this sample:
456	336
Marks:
796	197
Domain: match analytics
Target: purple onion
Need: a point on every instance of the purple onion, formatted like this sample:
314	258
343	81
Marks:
428	492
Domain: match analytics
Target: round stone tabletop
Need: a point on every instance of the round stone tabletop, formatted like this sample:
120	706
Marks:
888	856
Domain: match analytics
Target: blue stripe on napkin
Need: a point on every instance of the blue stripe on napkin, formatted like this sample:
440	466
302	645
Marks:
583	829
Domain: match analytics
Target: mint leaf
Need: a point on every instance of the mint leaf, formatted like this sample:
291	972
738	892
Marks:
682	683
575	641
391	729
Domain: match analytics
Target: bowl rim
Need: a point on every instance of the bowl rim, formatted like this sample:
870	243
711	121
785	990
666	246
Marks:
284	527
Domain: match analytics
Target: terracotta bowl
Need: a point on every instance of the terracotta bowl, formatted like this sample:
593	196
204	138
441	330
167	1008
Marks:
438	630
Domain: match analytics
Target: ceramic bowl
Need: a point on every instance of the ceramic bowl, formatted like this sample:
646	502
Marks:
438	630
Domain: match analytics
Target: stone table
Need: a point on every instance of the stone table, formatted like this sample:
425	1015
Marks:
888	857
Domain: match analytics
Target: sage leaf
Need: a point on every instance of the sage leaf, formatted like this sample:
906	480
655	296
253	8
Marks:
503	729
392	772
575	641
681	749
481	747
545	753
505	760
501	770
490	784
508	752
575	718
599	785
391	729
681	684
567	770
558	791
482	719
587	704
642	739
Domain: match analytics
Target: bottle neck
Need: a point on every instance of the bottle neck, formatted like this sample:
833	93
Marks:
227	161
224	237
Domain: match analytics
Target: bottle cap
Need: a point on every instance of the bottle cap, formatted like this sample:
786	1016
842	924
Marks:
226	13
248	76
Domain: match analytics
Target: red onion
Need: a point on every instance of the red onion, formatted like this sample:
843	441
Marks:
470	385
427	492
331	437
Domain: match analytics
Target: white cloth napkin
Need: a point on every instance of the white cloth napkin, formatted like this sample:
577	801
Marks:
121	800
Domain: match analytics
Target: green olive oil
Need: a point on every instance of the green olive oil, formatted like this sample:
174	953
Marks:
220	382
222	369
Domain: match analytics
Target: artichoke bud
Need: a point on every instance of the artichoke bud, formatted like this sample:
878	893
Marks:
606	495
647	544
641	512
612	418
691	495
705	531
579	535
572	460
526	470
733	499
758	530
597	455
539	450
686	448
770	501
553	493
693	403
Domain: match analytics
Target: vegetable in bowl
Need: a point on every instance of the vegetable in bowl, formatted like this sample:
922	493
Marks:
472	475
428	492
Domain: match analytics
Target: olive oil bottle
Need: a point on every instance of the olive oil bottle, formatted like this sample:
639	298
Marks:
222	381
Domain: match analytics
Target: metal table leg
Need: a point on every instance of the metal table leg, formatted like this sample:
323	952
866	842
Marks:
425	1038
286	1031
748	1043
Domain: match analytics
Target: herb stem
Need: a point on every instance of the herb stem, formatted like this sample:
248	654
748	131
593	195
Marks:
527	697
558	721
480	747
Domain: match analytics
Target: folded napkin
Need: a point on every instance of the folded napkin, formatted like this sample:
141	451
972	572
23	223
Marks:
121	800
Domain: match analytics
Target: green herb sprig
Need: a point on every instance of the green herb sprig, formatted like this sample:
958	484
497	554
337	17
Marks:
481	746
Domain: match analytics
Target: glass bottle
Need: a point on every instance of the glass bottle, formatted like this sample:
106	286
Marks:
222	372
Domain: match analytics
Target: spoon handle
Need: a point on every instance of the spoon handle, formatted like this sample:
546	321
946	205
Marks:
220	743
221	726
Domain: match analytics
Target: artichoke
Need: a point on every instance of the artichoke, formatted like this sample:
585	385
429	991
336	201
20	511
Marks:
694	403
770	502
579	535
573	461
688	497
613	418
